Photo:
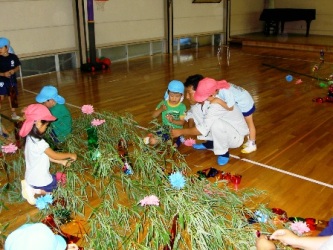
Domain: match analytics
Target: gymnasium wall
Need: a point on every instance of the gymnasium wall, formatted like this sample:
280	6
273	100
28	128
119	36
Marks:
42	27
323	25
37	27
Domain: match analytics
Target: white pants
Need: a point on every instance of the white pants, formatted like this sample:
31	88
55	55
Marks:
224	137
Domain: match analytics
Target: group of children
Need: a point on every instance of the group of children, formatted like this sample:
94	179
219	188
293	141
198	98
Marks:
173	111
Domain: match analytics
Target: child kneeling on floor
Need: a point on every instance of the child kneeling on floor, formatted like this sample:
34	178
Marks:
38	153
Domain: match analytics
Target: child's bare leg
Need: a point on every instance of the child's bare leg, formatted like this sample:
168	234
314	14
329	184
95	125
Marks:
252	128
250	146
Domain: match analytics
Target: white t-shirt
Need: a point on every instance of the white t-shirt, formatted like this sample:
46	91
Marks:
205	115
37	163
328	245
236	95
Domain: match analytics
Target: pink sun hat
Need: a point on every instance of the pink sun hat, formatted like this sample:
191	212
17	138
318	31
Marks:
207	87
33	113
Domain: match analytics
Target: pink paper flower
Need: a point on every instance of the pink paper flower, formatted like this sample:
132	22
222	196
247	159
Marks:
299	81
151	200
299	227
189	142
97	122
87	109
11	148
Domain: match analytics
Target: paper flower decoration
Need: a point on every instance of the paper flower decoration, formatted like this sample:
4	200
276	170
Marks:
189	142
260	216
61	177
299	227
289	78
177	180
44	201
11	148
87	109
150	200
299	81
97	122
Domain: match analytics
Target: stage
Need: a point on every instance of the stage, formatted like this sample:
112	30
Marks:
285	41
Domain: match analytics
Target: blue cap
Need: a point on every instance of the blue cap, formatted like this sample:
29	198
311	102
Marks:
49	92
36	236
174	86
4	42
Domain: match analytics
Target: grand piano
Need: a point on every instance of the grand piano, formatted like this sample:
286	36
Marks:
274	17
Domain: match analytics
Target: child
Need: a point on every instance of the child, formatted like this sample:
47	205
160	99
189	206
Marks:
219	118
62	127
38	154
229	95
172	110
36	236
9	64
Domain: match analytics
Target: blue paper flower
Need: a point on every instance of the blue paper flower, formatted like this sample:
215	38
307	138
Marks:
177	180
48	198
44	201
289	78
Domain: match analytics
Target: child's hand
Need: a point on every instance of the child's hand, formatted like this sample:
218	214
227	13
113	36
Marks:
8	74
72	246
170	118
73	157
163	107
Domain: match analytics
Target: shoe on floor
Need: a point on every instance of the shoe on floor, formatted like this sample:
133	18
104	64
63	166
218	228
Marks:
246	144
15	117
208	145
28	192
222	160
249	149
199	146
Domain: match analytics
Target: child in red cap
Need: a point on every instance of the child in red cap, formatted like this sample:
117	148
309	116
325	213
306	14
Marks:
38	153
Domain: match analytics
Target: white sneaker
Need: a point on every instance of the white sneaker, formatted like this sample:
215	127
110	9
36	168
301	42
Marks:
15	117
249	149
246	144
28	192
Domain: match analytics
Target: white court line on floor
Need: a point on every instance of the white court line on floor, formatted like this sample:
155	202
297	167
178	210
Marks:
244	159
283	171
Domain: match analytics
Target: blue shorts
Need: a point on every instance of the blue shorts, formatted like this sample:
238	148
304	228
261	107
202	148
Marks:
50	187
250	112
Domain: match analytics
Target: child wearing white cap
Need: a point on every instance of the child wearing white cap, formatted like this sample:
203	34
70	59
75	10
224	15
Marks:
9	65
62	127
172	110
38	153
36	236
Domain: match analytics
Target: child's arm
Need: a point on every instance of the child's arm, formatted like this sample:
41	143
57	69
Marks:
179	122
222	103
60	157
11	72
159	110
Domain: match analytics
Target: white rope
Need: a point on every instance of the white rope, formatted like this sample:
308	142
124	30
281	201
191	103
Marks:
283	171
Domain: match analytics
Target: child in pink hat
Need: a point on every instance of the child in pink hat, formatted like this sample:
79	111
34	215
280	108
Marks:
38	153
229	95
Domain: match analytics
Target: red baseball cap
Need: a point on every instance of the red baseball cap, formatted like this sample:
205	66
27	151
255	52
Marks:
207	87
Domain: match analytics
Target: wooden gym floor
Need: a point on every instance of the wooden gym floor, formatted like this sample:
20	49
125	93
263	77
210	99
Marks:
294	157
